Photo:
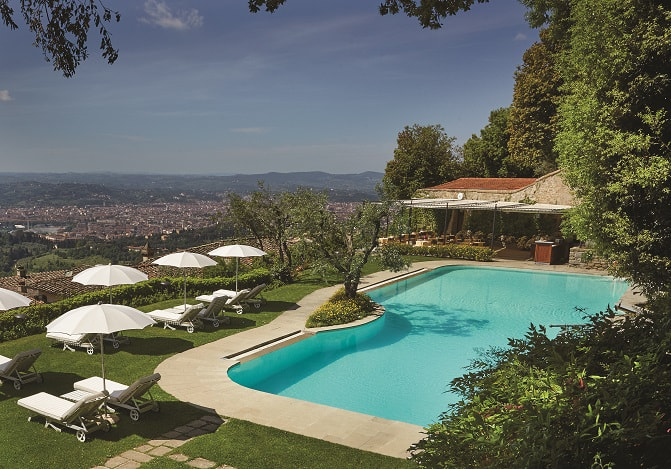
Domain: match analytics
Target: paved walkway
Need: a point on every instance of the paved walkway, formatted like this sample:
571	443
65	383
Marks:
199	376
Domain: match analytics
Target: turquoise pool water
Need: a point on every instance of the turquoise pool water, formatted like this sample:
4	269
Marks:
398	367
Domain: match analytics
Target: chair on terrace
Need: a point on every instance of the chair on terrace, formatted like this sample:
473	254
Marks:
129	397
84	415
234	301
70	341
212	312
178	316
18	369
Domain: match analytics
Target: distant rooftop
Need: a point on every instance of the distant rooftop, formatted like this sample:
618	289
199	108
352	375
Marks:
490	184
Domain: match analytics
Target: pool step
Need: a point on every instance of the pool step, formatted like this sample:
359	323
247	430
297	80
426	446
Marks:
392	279
269	346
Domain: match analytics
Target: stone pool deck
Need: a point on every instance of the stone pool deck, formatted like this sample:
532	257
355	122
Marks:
199	376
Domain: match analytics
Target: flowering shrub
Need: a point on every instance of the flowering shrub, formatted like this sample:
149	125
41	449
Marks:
341	310
451	251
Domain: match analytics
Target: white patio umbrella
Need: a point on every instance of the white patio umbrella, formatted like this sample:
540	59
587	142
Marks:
100	319
185	259
10	299
237	251
109	275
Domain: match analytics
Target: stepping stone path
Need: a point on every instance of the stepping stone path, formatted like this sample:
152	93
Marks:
168	442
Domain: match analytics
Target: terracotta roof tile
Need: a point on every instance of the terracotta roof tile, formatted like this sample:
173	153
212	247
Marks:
490	184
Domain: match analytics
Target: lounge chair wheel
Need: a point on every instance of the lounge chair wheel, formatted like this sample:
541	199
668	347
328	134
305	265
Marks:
134	415
115	344
106	426
215	323
257	305
17	385
189	329
81	435
89	350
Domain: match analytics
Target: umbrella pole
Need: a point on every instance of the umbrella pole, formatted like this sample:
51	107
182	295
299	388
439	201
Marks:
237	260
110	295
102	360
184	292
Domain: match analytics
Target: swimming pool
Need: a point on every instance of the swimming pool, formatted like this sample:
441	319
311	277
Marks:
398	367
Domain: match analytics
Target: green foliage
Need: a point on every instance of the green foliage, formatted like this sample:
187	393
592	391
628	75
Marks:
61	29
246	445
341	309
265	216
424	156
430	13
614	143
447	251
150	291
593	394
486	155
344	245
533	114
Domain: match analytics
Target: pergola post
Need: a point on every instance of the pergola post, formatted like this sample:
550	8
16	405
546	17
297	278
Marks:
493	227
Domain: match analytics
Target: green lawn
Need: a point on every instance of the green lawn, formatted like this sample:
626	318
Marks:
240	444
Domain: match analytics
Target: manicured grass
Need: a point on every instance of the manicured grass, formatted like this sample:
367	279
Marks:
29	444
236	443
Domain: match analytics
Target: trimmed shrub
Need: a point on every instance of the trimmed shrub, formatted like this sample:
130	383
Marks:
449	251
340	310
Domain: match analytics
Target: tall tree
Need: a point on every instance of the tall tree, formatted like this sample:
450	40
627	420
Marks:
61	29
533	115
486	155
424	156
615	138
344	245
265	215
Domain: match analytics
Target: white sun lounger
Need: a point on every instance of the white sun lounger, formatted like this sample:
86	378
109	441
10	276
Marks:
18	369
70	341
212	312
250	298
127	397
178	316
83	416
232	303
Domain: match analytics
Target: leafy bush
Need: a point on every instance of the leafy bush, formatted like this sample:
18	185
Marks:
450	251
154	290
340	310
592	397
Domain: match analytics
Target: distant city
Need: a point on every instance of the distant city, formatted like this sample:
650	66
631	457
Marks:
110	206
119	221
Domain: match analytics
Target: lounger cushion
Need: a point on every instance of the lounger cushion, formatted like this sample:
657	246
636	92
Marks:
4	361
95	384
116	390
48	405
63	337
165	315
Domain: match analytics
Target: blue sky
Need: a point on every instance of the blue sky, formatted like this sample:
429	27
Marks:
208	88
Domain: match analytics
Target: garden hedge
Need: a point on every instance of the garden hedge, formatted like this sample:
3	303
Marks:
451	251
33	319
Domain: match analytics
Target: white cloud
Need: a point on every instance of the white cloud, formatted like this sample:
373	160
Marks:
4	95
520	37
160	14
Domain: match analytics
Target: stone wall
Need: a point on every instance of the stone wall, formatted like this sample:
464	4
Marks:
585	258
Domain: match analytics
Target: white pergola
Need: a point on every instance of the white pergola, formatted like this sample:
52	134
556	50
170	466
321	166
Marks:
492	205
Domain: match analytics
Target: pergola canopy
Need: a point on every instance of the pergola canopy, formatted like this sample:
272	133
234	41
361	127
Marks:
465	204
